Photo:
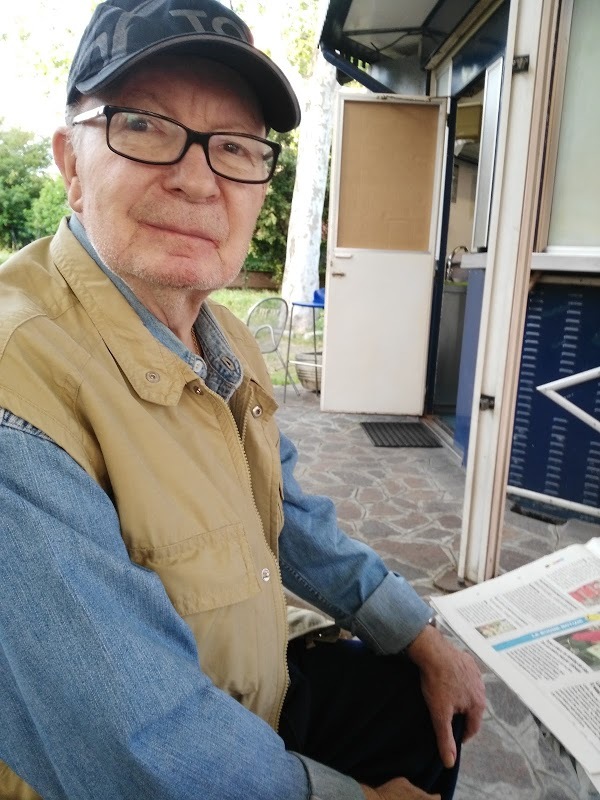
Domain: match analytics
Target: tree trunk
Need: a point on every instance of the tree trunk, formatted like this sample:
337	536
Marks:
301	273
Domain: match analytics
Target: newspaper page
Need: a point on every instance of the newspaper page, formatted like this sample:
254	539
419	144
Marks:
538	629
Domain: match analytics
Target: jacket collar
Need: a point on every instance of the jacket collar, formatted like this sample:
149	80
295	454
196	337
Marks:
153	359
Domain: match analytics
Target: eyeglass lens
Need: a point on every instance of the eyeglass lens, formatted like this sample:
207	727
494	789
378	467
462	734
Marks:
160	141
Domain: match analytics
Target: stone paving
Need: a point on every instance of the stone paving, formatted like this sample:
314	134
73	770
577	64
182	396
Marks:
407	504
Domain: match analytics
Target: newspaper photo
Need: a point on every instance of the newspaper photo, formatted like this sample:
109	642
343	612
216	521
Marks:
538	629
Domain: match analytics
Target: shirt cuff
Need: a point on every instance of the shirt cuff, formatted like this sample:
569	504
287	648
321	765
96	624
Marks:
328	784
392	617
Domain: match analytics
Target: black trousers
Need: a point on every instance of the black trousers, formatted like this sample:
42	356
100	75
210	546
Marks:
364	715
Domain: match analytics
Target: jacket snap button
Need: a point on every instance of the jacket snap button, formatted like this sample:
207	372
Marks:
152	377
266	575
198	389
257	411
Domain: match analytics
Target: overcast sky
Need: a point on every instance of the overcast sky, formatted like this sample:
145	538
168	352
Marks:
28	99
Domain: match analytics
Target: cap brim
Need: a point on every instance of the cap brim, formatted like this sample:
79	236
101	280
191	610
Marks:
272	88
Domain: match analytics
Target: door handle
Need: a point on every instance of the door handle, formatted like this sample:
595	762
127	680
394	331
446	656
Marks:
338	274
343	255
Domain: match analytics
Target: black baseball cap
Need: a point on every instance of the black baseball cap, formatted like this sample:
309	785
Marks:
123	33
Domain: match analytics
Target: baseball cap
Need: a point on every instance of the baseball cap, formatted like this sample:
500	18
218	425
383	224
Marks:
123	33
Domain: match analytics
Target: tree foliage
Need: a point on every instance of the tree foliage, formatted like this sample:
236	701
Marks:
293	26
295	20
267	251
23	163
300	27
49	207
269	245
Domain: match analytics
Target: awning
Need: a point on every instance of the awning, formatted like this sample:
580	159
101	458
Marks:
357	33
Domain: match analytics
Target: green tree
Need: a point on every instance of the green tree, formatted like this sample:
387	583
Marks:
48	208
301	23
291	27
23	163
308	214
267	251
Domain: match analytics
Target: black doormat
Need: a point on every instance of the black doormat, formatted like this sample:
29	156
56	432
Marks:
400	434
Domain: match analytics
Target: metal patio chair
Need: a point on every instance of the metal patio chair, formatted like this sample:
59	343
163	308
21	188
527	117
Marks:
267	320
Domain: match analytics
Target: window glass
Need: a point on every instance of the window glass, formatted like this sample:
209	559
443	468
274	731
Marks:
576	196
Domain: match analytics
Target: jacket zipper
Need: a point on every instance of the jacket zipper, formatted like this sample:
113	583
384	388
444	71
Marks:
275	559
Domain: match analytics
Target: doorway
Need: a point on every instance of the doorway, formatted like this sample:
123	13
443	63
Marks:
386	177
459	241
473	152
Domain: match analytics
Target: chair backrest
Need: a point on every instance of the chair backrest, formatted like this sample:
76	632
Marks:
319	297
266	320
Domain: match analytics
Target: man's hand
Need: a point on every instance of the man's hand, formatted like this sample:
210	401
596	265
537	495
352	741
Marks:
451	684
397	789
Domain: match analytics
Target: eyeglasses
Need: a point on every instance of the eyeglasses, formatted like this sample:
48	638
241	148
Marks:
154	139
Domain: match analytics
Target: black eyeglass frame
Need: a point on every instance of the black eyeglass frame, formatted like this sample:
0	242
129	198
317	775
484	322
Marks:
193	137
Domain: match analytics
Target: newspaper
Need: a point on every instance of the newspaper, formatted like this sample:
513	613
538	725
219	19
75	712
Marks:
538	629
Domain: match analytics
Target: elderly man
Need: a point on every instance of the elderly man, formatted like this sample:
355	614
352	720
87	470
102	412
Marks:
150	516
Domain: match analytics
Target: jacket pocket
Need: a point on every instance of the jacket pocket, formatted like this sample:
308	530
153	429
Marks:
207	571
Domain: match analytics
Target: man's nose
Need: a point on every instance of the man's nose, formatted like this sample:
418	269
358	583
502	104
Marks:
193	175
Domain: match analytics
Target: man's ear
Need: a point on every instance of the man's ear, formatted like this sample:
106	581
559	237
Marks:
66	161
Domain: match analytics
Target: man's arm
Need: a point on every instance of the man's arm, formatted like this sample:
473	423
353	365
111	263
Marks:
347	580
102	693
343	577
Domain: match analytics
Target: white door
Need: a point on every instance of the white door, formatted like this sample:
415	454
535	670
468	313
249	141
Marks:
385	188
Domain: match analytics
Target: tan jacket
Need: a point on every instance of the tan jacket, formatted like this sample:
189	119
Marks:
196	483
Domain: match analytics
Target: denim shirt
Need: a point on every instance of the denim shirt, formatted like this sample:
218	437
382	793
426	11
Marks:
126	713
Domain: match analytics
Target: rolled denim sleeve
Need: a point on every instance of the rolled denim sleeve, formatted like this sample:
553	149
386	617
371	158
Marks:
102	693
327	784
343	577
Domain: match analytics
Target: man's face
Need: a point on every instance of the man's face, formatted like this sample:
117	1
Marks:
178	226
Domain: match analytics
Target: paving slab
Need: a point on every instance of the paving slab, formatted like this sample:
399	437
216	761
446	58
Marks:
407	504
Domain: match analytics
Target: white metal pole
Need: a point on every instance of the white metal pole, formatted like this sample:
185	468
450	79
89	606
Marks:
552	388
559	502
514	211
